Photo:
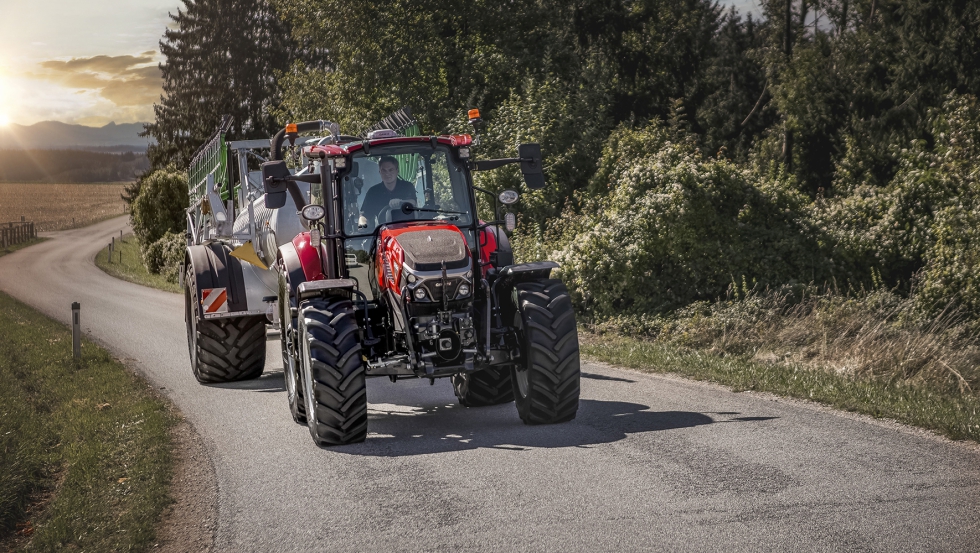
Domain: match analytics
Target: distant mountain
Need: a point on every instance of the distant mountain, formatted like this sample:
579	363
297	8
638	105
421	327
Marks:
52	135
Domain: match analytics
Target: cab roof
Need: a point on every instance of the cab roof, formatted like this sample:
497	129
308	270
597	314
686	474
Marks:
347	148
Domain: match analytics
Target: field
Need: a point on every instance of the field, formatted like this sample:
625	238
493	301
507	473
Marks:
61	206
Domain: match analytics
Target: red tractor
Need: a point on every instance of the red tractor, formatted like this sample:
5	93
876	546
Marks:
398	277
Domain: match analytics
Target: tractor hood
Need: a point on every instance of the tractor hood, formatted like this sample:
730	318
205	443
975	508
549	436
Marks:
419	248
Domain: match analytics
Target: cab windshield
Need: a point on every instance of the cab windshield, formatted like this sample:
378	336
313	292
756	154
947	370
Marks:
404	182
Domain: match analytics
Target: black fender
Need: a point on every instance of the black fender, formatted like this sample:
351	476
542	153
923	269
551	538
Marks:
523	272
510	275
504	255
299	287
290	264
214	267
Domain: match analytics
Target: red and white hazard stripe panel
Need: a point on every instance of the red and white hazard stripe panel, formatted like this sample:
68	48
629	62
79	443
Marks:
214	300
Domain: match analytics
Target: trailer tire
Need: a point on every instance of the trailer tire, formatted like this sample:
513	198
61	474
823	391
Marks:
333	375
483	388
222	350
546	378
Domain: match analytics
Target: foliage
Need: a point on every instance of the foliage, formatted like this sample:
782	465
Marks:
165	256
874	333
675	227
569	127
222	58
127	264
160	206
836	136
921	218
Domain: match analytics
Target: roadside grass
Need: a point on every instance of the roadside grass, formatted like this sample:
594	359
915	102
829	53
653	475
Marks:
873	352
131	268
85	447
11	249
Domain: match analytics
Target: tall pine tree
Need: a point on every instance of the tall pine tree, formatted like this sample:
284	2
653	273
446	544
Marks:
222	57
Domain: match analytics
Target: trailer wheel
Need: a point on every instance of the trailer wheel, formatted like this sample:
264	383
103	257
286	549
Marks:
290	358
487	387
222	350
546	377
334	386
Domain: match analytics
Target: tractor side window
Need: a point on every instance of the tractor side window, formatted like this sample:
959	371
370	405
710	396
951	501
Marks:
443	188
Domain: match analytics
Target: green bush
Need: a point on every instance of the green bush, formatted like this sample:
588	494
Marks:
565	122
160	206
165	256
921	226
674	227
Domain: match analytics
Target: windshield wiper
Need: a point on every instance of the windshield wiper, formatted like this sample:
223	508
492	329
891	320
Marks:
407	208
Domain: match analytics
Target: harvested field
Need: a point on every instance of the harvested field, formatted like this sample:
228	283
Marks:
61	206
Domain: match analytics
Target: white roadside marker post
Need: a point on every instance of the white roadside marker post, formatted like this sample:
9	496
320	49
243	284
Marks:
76	331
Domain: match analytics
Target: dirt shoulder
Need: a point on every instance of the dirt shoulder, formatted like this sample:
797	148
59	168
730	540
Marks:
188	524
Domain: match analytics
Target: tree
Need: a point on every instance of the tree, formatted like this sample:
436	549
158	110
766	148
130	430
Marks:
159	207
222	58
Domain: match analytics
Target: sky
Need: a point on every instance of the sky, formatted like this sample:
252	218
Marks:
81	61
92	62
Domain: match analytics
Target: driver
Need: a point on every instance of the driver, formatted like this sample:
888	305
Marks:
390	188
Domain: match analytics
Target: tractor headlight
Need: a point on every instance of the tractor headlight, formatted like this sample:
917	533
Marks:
463	291
411	278
420	293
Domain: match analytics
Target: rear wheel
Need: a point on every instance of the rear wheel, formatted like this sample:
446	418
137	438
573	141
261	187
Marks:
546	378
334	387
222	350
487	387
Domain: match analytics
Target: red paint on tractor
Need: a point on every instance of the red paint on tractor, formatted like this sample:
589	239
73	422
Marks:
309	257
330	150
391	257
488	245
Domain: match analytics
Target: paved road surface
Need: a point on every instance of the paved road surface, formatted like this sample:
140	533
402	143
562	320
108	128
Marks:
651	463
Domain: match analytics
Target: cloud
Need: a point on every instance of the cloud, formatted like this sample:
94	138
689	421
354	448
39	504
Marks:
125	81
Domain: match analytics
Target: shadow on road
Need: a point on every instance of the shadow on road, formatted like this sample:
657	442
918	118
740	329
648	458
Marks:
397	430
268	382
413	418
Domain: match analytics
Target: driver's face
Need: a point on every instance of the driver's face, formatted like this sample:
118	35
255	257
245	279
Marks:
389	173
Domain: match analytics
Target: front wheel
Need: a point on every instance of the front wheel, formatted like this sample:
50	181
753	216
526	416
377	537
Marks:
334	386
546	378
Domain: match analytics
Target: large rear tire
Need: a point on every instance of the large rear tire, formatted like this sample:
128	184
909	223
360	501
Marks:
334	386
222	350
288	329
546	379
487	387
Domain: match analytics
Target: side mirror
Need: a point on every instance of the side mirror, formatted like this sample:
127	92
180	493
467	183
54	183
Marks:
530	155
273	175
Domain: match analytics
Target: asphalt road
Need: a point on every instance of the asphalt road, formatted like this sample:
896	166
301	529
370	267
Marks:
651	463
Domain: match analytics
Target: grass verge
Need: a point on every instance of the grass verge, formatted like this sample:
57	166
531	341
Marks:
85	447
131	267
11	249
921	404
